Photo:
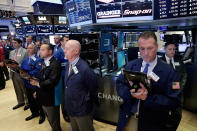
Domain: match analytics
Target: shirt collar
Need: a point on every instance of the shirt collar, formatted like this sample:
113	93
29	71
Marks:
32	56
73	63
151	64
168	59
47	60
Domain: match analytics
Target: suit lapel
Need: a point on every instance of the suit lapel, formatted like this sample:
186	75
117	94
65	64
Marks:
137	66
72	72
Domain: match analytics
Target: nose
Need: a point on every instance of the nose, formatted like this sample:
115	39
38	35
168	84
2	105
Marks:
146	51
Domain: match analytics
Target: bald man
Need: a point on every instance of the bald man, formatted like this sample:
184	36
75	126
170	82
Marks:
57	43
80	88
30	65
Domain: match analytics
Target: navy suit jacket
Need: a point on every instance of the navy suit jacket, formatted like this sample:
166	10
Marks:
80	89
154	111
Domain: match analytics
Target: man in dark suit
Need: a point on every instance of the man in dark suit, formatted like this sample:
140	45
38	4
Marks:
152	109
179	67
80	89
49	76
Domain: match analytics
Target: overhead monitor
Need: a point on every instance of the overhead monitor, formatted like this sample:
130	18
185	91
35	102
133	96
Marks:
78	12
44	29
164	9
61	29
123	10
60	20
26	20
43	19
121	59
30	29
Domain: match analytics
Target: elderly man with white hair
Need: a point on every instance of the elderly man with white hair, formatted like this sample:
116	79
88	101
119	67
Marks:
80	88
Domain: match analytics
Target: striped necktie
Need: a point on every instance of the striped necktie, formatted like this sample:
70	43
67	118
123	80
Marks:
69	70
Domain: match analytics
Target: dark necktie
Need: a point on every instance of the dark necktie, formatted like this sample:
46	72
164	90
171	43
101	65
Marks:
171	63
146	68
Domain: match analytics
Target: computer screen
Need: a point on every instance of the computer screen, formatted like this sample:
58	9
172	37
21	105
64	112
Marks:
182	47
106	42
78	12
162	36
26	20
121	59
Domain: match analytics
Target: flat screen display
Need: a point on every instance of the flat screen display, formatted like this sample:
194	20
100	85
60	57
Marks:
78	12
30	29
106	42
123	10
43	19
121	59
26	20
61	29
60	20
182	47
44	29
164	9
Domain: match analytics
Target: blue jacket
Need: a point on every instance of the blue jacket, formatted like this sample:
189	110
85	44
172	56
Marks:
155	110
60	56
80	90
32	67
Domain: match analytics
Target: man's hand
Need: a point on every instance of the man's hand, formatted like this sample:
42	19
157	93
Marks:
22	73
1	64
140	94
34	82
34	95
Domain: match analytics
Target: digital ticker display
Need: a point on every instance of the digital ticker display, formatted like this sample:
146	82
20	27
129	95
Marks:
174	8
123	10
44	29
78	12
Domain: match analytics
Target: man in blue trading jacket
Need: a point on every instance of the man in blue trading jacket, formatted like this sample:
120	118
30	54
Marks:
60	56
153	109
49	75
30	66
57	43
80	89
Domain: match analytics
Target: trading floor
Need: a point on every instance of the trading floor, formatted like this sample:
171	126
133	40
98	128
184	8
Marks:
14	120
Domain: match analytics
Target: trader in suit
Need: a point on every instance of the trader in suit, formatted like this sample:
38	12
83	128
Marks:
151	109
30	67
57	43
179	67
49	76
60	56
80	89
29	40
18	55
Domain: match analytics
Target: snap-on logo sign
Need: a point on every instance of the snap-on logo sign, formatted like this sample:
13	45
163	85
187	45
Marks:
106	1
137	12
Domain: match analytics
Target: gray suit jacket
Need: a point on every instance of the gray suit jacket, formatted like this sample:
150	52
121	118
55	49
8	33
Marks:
22	53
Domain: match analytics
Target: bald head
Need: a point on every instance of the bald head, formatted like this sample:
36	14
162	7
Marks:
31	49
72	50
56	39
